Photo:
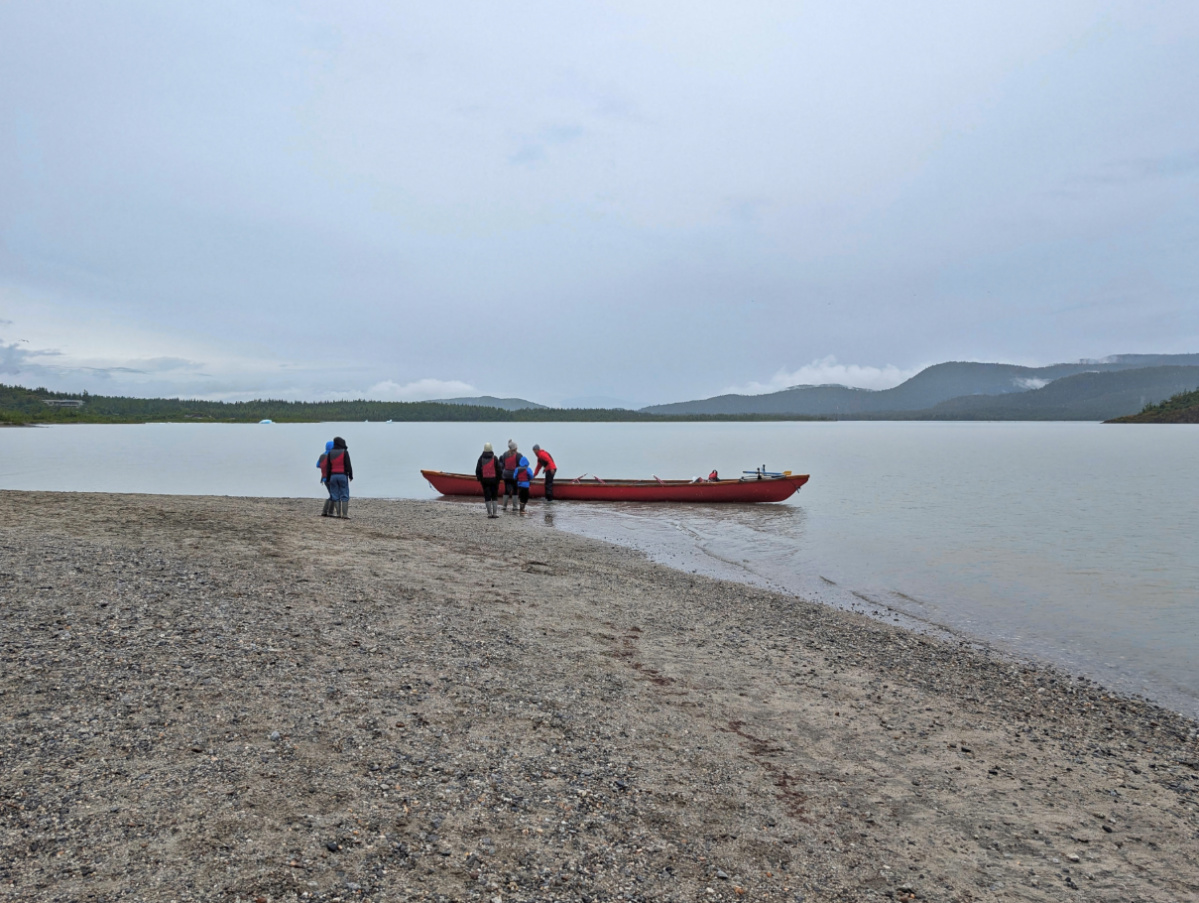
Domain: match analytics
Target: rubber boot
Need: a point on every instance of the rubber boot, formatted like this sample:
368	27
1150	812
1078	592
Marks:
345	509
328	509
493	508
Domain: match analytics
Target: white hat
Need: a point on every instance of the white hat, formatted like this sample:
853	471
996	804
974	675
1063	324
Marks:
486	446
511	445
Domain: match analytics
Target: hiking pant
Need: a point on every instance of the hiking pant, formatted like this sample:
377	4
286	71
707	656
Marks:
491	490
524	495
549	485
509	487
339	487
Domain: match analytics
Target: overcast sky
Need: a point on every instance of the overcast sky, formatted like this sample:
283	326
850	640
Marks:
641	202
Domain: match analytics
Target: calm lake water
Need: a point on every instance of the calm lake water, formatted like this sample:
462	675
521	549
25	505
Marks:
1075	543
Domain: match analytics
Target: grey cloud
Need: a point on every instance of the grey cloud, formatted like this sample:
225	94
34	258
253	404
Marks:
145	366
15	359
528	154
746	210
1131	171
1168	166
535	150
166	364
562	134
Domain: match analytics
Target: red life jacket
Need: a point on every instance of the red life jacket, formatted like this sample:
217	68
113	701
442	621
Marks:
713	477
336	461
489	468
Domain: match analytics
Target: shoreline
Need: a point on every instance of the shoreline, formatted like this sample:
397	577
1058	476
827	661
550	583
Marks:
214	697
696	558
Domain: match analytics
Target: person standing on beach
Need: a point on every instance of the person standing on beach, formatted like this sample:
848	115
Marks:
488	472
546	460
523	475
511	459
320	463
338	471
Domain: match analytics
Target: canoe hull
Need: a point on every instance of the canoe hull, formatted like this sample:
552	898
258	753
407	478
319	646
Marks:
775	489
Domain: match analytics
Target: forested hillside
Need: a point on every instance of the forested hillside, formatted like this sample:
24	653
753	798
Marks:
1084	396
930	387
1181	408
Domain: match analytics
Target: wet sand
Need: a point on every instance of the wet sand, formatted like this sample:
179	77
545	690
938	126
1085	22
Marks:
223	699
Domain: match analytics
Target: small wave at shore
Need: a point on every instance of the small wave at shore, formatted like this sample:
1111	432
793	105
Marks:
768	546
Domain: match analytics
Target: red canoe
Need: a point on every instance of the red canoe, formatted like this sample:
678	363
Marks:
593	489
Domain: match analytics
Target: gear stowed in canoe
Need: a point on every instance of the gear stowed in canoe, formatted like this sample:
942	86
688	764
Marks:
755	486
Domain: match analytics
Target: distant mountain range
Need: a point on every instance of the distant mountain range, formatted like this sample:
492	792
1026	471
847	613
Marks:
587	402
1086	390
490	401
1113	388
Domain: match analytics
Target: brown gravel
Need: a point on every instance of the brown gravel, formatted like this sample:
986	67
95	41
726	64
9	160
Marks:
220	699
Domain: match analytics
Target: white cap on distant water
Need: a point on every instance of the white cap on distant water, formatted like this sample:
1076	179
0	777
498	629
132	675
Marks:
486	446
511	445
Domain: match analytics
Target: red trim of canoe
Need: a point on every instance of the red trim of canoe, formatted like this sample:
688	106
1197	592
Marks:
768	489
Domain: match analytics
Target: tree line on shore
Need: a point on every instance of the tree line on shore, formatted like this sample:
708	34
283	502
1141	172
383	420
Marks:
20	405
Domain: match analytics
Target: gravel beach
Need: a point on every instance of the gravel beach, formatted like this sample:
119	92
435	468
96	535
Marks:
225	699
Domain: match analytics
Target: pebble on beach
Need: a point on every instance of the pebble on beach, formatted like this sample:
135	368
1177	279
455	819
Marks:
217	699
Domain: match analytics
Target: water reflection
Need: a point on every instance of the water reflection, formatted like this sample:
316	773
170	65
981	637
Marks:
762	543
782	519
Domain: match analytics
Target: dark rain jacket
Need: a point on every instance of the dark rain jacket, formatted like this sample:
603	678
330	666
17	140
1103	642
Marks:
511	459
499	468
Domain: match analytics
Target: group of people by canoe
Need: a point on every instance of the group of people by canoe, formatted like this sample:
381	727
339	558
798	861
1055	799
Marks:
516	472
512	469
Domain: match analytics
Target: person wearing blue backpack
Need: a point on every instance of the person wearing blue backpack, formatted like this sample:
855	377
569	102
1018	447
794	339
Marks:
523	475
320	465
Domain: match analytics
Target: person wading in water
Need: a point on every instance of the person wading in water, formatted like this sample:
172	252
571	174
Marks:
488	472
